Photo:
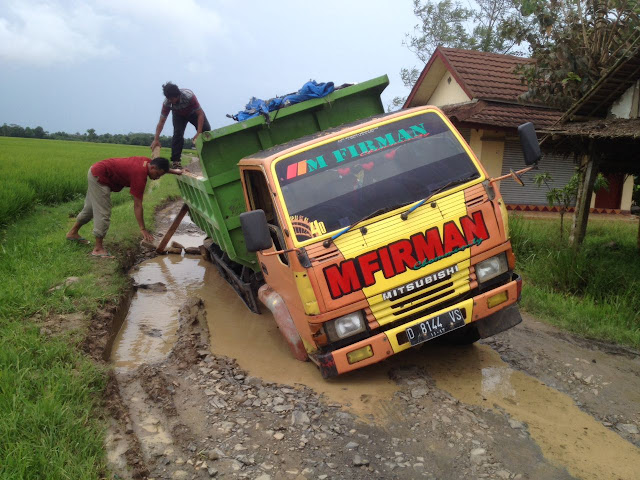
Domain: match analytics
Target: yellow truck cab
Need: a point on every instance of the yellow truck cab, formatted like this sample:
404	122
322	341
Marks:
378	236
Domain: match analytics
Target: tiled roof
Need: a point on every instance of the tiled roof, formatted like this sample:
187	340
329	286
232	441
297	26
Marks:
605	128
501	114
487	75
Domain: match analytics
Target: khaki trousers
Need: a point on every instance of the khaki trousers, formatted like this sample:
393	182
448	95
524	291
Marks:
97	205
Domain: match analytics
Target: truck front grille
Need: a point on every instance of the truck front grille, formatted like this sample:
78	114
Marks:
412	305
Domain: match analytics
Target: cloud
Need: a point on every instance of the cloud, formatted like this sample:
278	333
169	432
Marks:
197	67
168	15
189	25
46	33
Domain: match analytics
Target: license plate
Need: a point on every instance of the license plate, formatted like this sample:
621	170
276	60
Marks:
435	326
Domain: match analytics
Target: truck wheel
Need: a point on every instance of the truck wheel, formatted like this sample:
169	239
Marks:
462	336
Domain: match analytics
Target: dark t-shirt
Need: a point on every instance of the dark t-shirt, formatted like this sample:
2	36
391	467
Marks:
187	105
117	173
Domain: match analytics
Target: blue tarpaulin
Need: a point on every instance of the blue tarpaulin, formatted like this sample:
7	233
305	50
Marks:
257	106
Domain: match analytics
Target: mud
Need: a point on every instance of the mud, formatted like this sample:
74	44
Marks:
149	332
204	388
254	341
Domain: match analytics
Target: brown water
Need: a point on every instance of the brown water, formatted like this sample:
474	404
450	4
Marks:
149	329
474	375
566	435
255	342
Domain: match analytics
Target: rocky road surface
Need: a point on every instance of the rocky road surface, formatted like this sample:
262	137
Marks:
199	415
530	403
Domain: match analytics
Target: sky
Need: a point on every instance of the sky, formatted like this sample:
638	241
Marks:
73	65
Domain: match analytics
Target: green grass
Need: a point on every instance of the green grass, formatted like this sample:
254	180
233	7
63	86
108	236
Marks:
595	291
48	172
51	419
48	400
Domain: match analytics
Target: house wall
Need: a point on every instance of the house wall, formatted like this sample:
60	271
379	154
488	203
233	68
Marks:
627	105
499	155
448	92
429	83
627	192
488	145
626	198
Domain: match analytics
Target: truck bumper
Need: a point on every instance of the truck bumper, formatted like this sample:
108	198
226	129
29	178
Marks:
376	348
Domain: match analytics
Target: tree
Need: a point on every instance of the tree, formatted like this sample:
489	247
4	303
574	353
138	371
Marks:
573	42
144	139
490	26
566	196
91	135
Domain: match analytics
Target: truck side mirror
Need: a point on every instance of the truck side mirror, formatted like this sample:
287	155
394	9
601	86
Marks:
255	230
529	142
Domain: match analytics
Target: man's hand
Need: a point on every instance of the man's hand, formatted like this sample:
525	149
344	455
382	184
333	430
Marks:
175	171
146	235
194	138
155	143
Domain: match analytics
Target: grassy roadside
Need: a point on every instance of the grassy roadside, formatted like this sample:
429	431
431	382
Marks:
594	292
50	393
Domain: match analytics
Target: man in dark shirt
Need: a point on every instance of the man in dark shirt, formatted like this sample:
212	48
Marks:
186	109
112	175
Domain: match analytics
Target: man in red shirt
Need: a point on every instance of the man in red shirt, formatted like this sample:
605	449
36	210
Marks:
186	109
112	175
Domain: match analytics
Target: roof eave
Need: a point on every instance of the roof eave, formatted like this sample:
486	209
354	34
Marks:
438	53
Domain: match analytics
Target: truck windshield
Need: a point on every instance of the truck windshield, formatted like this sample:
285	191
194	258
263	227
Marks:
333	185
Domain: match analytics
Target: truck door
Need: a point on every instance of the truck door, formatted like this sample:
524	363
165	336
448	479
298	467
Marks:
276	268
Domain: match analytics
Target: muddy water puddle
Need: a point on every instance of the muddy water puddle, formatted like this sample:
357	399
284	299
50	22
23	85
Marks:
566	435
474	375
149	329
255	342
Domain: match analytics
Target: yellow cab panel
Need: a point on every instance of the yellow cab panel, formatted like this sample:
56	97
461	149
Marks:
403	239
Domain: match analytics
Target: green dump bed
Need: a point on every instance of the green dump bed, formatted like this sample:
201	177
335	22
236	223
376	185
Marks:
216	200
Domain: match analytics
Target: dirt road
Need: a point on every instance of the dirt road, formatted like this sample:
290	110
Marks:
211	391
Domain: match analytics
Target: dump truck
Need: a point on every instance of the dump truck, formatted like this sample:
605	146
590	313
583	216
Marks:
364	233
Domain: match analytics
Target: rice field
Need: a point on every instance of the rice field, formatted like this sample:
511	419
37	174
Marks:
48	172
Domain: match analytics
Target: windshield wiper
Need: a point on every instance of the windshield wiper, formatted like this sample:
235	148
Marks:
380	211
404	215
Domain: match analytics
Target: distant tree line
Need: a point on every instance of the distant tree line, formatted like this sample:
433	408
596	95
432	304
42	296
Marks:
12	130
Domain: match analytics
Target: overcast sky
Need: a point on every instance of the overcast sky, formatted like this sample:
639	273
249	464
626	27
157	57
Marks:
72	65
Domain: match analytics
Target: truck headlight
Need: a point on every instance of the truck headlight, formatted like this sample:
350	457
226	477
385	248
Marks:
345	326
491	267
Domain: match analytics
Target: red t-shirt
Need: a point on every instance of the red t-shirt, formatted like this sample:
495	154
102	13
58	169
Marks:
117	173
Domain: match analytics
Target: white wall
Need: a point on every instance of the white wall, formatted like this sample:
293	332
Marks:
627	105
448	92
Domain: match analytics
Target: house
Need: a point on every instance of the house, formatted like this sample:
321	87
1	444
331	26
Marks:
479	92
604	125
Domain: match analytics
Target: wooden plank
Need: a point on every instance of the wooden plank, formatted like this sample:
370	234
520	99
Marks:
172	229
